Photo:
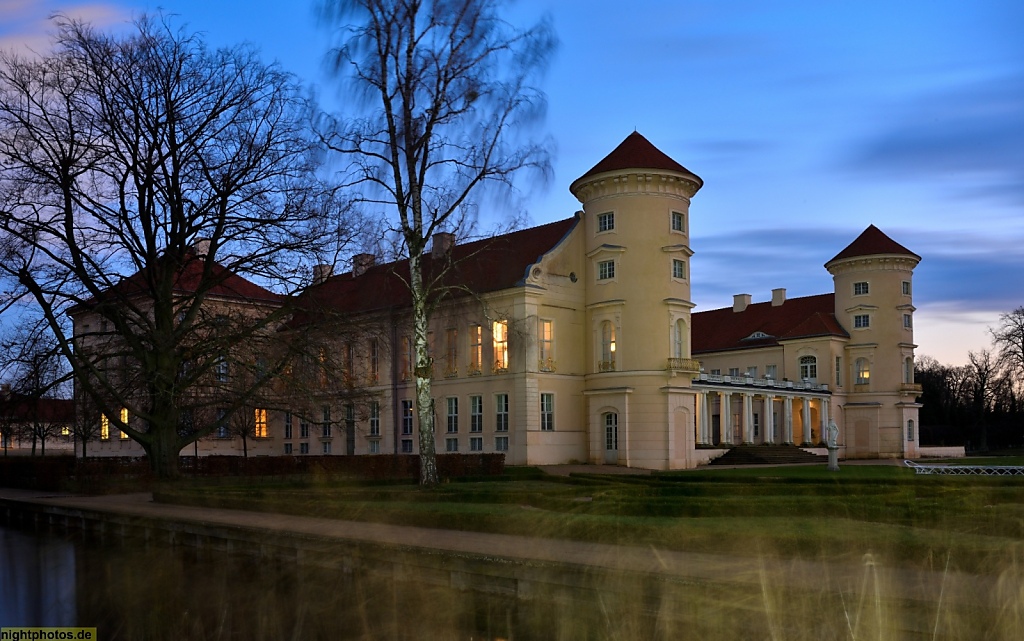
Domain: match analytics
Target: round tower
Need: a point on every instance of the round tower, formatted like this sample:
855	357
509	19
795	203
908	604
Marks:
873	280
636	204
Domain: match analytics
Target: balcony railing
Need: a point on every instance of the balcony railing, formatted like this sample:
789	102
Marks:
684	365
760	382
606	366
546	365
911	387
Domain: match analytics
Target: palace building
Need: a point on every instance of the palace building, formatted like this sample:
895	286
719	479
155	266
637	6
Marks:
576	341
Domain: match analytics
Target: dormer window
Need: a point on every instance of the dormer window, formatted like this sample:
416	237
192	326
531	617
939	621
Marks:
758	335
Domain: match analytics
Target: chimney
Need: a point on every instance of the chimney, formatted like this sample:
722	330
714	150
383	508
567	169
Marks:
740	302
201	247
442	243
778	296
362	262
321	273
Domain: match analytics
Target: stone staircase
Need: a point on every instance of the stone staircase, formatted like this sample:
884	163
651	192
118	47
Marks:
767	455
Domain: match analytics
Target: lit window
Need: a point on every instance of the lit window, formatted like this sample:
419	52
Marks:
678	221
607	363
863	371
406	417
545	344
678	268
547	412
375	418
606	221
860	288
501	444
606	270
451	445
500	334
476	350
907	321
861	321
124	420
453	414
104	427
808	368
501	412
476	413
476	444
260	422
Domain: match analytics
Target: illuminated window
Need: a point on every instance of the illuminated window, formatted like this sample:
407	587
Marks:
124	420
500	335
260	422
607	363
863	371
545	345
104	427
476	349
606	221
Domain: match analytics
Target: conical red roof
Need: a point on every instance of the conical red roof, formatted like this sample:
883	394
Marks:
872	242
636	152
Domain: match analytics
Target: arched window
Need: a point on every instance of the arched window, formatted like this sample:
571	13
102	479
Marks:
679	339
808	368
908	370
910	430
607	363
863	371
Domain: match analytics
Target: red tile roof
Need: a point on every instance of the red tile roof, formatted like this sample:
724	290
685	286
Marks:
636	152
24	409
723	329
872	242
477	267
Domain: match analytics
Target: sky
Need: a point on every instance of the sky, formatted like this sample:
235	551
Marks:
808	121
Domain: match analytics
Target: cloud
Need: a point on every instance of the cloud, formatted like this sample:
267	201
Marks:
27	24
970	137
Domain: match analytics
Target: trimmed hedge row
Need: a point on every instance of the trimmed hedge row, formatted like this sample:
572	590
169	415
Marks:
53	473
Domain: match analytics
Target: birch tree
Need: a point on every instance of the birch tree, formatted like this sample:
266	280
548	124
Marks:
449	92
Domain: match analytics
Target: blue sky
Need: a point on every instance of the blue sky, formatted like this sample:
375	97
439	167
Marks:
807	122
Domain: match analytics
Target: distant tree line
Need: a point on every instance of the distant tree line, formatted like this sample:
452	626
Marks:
981	404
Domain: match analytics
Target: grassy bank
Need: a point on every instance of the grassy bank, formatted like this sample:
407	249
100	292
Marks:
904	519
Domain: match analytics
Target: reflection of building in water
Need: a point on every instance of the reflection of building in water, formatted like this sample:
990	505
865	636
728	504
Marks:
37	581
577	341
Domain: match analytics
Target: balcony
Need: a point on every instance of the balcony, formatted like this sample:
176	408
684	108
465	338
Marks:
606	366
686	365
914	388
546	365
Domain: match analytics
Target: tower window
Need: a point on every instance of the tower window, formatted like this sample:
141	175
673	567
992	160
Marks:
678	269
906	288
863	371
606	221
907	321
861	321
860	289
606	270
678	221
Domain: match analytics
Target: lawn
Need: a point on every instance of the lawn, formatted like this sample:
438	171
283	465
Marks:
802	511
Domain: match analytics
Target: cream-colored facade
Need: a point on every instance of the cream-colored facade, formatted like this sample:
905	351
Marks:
576	341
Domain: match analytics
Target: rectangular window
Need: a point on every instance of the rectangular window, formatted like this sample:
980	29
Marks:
303	427
545	345
771	371
406	417
476	413
716	372
678	268
476	444
476	349
860	288
547	412
678	221
374	447
326	423
374	418
453	414
408	359
259	420
734	371
326	447
501	444
287	449
124	420
606	270
221	369
349	364
451	445
288	425
500	335
104	428
907	321
501	412
451	352
406	446
906	288
374	361
606	221
752	371
839	371
861	321
303	448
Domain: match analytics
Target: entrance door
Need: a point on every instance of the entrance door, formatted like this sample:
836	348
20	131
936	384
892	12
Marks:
611	438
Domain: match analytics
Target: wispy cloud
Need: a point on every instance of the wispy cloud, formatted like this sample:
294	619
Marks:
27	24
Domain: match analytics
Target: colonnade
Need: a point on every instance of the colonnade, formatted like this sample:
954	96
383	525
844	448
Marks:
768	431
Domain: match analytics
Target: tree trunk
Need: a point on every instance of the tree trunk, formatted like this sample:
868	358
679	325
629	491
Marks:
424	375
162	450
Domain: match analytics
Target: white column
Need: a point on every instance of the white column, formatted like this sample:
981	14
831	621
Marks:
787	411
769	418
824	419
705	419
748	418
725	422
806	415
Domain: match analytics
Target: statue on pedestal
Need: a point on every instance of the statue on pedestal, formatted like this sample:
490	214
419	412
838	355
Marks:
833	446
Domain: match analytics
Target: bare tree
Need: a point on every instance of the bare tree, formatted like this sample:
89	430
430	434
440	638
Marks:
448	86
1009	342
140	177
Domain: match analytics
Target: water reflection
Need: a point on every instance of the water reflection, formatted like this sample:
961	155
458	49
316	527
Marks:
37	580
